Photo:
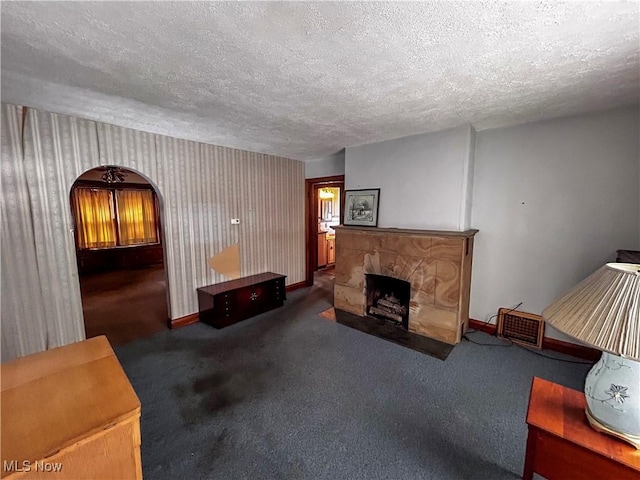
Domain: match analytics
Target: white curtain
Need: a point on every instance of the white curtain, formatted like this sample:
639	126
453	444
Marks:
24	323
57	149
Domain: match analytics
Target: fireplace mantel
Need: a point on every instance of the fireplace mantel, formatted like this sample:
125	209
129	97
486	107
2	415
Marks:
436	263
406	231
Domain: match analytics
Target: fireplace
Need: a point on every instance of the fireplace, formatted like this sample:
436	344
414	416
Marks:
388	299
436	265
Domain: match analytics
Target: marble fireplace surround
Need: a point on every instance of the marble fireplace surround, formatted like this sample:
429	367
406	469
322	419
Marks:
437	264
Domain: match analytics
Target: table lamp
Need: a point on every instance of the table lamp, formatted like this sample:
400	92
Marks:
604	311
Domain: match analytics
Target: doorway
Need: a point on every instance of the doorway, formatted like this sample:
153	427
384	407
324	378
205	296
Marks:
324	210
120	254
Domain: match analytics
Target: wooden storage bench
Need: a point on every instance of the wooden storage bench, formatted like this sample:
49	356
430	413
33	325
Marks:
226	303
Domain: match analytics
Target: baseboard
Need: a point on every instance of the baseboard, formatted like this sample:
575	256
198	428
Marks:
490	328
295	286
552	344
572	349
184	321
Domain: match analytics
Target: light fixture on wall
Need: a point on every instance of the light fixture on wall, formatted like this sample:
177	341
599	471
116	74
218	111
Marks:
604	311
326	194
113	175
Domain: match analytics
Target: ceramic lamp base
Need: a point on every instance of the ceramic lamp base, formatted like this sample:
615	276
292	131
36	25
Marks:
632	439
612	393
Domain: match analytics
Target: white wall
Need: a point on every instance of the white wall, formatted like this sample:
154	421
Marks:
553	201
325	167
425	180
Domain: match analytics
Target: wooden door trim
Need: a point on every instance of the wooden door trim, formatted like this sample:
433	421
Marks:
311	224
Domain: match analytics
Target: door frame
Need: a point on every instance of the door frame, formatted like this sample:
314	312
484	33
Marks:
162	231
312	185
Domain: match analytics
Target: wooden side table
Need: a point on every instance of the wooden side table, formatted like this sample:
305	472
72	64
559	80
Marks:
69	413
561	443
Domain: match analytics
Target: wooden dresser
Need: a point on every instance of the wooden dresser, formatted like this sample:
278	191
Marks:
70	413
226	303
437	264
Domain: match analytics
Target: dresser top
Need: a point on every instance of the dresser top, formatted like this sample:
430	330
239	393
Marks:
406	231
54	399
240	283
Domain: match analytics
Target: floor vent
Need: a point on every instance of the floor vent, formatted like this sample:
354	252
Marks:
521	327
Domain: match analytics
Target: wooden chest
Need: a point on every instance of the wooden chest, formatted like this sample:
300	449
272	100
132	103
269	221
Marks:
226	303
70	413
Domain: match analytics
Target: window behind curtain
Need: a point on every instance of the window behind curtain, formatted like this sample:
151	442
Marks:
107	218
136	217
95	222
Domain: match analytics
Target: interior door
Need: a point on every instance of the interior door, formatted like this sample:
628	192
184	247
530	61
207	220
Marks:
313	185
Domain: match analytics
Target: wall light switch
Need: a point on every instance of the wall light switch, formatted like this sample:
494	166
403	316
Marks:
235	221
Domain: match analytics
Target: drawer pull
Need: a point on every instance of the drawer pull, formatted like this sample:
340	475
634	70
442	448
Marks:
254	296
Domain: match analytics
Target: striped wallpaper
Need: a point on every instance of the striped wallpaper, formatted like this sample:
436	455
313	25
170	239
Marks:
201	187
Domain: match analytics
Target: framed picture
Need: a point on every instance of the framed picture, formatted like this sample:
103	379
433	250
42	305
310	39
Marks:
361	207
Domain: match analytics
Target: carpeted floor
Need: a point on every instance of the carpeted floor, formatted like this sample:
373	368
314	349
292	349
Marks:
290	395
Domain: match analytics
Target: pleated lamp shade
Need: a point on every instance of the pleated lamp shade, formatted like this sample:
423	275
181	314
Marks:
603	310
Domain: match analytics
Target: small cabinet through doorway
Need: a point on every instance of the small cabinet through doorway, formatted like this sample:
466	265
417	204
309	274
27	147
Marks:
328	216
323	257
326	249
331	251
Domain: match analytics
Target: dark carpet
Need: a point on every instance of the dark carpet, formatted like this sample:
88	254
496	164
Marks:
289	395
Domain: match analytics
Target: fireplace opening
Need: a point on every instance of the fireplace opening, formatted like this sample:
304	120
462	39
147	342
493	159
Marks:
388	299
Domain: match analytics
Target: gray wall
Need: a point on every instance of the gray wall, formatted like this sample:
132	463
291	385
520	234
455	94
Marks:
326	166
425	180
553	201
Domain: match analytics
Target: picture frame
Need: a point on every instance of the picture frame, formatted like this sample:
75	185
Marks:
361	207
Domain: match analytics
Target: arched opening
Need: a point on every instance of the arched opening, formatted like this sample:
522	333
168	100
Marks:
120	254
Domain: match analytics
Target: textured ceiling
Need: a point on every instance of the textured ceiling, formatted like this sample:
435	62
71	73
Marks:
304	80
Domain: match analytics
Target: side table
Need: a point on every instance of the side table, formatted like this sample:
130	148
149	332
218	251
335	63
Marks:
561	443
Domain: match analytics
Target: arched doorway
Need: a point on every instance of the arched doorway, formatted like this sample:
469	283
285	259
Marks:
119	249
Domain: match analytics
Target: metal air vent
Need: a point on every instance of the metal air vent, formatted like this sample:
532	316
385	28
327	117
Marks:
521	327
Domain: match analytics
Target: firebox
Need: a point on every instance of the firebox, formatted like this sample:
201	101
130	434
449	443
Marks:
388	299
